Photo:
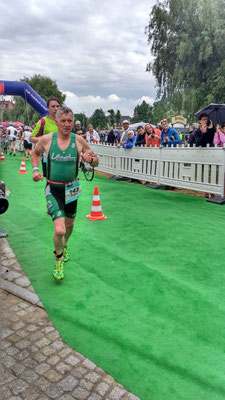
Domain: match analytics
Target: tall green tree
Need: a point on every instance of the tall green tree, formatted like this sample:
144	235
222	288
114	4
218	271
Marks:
112	117
118	117
159	110
187	40
99	119
22	111
142	112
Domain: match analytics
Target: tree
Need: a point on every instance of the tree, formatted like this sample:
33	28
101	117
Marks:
142	112
118	117
188	46
22	111
159	110
112	117
99	119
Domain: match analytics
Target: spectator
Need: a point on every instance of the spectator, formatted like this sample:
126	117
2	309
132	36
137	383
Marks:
130	140
219	136
92	135
190	139
181	136
111	137
79	130
140	141
152	136
205	133
102	136
187	139
118	137
124	136
169	136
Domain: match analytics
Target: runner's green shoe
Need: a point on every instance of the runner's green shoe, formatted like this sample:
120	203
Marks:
65	254
58	270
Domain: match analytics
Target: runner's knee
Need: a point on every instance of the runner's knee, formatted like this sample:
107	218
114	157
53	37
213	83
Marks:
60	230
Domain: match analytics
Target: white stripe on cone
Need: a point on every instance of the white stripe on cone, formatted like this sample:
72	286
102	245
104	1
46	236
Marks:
96	208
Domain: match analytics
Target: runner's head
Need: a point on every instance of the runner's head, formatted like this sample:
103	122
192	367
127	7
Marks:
53	104
64	120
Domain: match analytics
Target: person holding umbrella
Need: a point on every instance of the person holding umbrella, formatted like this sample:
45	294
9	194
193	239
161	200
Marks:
204	134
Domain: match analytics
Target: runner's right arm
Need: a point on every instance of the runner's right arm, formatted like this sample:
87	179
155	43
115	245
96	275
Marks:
35	157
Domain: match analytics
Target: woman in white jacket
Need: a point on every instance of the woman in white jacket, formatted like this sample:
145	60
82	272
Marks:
92	135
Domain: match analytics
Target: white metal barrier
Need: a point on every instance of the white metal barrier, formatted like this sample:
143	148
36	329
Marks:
193	168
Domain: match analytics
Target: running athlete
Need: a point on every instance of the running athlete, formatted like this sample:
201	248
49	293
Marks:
12	135
46	125
26	142
63	149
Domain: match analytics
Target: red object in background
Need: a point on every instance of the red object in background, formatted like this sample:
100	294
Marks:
18	124
1	88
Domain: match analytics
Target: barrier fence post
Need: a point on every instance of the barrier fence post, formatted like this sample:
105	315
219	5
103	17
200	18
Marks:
160	165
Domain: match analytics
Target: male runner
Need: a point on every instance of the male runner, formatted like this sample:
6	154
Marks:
63	150
12	135
46	125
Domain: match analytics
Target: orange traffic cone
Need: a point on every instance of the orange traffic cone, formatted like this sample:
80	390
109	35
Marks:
96	209
22	167
2	156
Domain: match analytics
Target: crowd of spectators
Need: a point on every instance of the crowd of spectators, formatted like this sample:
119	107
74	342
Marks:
164	135
147	135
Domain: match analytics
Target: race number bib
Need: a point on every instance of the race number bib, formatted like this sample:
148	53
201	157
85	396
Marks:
72	191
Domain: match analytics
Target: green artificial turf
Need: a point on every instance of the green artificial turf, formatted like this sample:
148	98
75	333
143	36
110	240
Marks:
143	294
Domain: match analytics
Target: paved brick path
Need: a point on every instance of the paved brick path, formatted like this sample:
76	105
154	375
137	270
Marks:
34	361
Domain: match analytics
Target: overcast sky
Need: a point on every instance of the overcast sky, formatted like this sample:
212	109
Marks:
96	51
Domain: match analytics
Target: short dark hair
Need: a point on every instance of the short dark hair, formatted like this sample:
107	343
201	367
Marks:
52	98
202	115
223	125
139	127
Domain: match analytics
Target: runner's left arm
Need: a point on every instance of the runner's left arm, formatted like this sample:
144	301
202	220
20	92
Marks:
87	154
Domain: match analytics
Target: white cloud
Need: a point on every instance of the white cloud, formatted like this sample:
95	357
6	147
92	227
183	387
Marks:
96	54
114	98
147	99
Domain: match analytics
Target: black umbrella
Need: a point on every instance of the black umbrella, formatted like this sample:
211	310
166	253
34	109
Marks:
215	112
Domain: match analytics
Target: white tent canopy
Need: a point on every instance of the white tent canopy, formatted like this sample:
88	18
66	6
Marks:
137	124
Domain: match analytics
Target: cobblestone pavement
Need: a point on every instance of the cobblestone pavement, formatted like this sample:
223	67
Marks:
34	361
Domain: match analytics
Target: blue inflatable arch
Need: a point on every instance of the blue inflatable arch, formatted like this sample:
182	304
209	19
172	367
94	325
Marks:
24	90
